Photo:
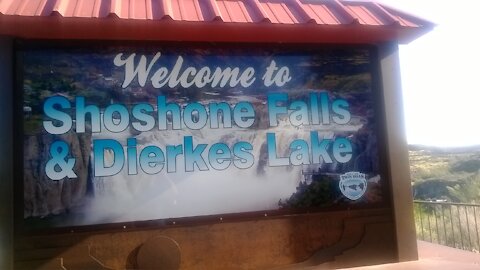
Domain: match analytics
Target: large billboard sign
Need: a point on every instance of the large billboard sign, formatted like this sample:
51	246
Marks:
135	133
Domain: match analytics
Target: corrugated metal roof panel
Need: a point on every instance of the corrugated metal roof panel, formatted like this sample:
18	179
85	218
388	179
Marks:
246	12
326	12
240	11
280	12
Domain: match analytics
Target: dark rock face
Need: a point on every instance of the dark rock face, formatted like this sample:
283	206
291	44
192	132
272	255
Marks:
43	196
365	144
262	159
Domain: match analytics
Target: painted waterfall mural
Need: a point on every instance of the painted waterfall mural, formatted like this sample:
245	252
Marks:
117	134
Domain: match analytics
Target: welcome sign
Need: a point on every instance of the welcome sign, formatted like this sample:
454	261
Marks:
123	134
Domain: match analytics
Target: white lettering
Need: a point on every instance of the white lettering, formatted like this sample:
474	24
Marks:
188	76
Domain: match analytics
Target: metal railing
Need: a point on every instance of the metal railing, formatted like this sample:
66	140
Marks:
446	223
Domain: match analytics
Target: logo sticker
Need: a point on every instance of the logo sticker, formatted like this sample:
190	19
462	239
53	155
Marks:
353	185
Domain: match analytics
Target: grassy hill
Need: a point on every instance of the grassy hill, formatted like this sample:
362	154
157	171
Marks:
450	174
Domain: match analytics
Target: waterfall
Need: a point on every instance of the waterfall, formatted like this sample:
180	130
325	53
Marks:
124	197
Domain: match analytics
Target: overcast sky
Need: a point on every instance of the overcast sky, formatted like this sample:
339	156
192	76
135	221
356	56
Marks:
441	74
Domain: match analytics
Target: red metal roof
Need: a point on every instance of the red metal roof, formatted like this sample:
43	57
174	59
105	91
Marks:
25	17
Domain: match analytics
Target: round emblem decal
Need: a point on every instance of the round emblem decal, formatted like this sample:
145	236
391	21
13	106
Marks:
353	185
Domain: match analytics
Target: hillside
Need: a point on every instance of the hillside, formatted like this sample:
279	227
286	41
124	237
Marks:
447	174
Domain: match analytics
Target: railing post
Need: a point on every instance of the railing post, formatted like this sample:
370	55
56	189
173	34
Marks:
451	223
476	227
444	226
436	223
468	227
460	226
421	221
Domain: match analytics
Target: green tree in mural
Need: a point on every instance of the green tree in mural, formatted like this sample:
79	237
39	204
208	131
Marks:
321	192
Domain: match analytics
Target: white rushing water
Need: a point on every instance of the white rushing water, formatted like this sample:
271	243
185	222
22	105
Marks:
124	197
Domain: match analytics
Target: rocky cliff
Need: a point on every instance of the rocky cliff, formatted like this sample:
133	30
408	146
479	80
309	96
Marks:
43	196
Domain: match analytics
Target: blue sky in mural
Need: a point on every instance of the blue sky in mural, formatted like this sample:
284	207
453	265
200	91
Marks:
440	74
